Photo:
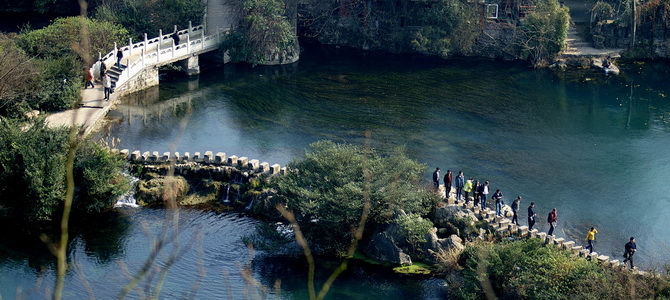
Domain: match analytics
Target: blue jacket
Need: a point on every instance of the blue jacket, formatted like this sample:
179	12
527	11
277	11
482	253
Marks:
460	181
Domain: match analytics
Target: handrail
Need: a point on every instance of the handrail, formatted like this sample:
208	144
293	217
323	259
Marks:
154	51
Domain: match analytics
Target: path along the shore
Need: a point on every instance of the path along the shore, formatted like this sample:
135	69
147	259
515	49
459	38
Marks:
93	107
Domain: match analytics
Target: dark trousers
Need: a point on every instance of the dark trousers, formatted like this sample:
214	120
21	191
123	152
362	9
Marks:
531	223
447	190
459	190
551	228
629	258
515	218
436	185
107	90
483	197
88	82
467	198
590	246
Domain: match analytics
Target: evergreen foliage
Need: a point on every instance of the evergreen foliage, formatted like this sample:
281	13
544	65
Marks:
528	269
545	31
264	30
32	172
328	188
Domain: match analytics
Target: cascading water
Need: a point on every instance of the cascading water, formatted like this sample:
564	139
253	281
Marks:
128	199
227	198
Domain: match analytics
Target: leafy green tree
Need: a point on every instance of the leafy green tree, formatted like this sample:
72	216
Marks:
265	30
32	172
73	35
545	31
447	26
327	191
97	174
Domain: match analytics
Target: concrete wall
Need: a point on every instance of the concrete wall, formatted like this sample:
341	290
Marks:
146	78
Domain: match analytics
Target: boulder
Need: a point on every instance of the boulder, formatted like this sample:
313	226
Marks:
382	248
451	243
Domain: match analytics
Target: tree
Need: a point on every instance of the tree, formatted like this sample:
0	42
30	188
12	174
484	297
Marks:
545	31
32	172
326	191
264	32
18	74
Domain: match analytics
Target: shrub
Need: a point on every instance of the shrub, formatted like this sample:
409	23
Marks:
328	188
65	36
32	172
545	31
414	228
97	174
265	30
527	269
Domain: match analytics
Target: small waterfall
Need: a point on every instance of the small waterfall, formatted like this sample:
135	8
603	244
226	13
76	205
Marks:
128	199
226	199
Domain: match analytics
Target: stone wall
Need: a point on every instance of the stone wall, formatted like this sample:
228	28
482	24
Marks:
215	165
146	78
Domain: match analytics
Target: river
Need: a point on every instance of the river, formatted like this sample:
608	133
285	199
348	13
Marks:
594	147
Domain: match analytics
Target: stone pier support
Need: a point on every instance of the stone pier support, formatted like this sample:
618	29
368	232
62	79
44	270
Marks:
191	65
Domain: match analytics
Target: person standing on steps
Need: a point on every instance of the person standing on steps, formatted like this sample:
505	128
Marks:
119	56
447	183
460	182
103	68
591	238
436	179
531	216
475	192
552	218
515	210
498	197
467	188
629	250
107	84
483	192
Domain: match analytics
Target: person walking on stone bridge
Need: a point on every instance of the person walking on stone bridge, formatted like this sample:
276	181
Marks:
552	218
515	210
175	37
436	180
591	238
107	84
460	182
531	216
630	249
448	180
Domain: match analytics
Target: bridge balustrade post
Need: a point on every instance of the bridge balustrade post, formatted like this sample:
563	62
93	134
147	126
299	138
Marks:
130	46
173	46
160	36
99	55
190	27
143	57
115	48
175	28
145	43
158	51
188	43
202	39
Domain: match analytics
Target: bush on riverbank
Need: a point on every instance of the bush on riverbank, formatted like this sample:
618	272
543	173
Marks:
48	63
545	31
327	191
32	172
527	269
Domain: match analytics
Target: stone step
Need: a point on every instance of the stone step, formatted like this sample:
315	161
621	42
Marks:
558	241
576	249
568	245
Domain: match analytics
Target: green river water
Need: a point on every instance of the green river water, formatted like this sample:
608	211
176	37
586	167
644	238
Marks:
594	147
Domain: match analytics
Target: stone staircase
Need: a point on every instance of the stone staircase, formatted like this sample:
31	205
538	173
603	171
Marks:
576	46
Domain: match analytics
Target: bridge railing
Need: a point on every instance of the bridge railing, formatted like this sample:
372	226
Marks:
161	49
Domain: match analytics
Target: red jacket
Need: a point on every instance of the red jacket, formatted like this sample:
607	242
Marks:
552	217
